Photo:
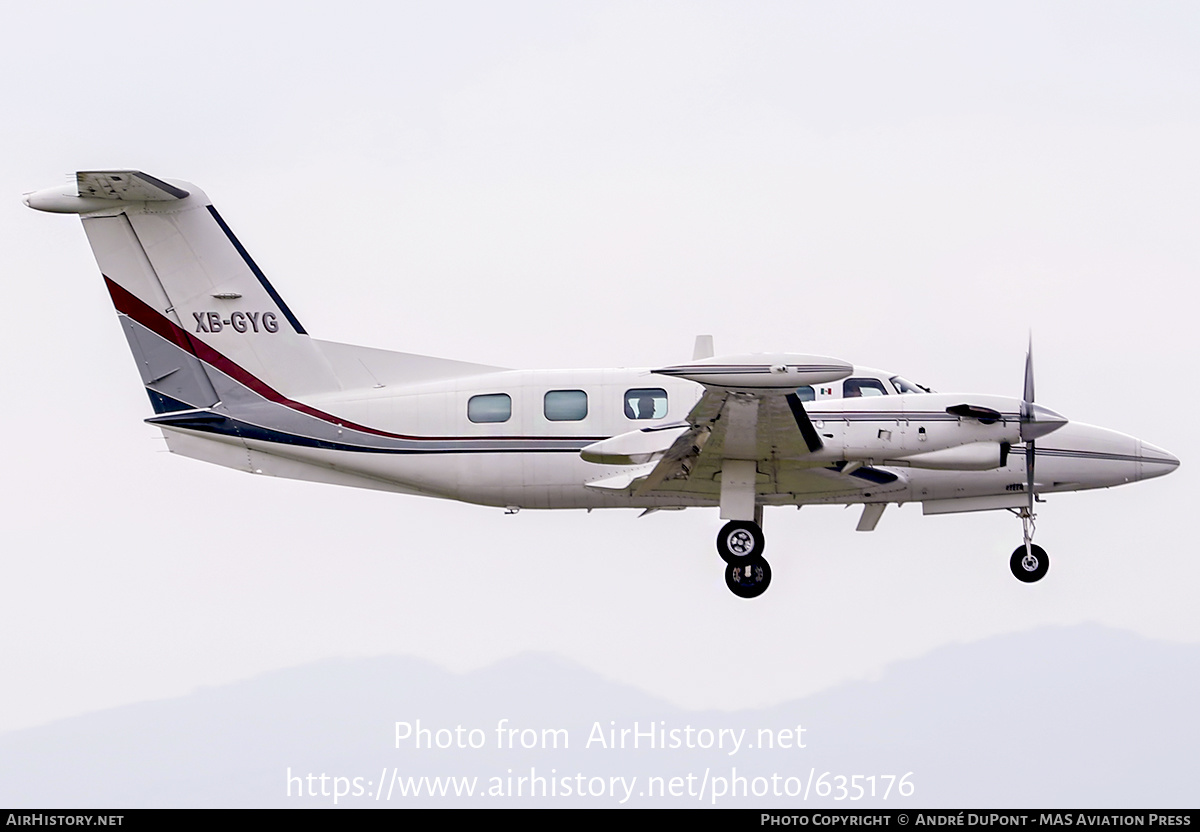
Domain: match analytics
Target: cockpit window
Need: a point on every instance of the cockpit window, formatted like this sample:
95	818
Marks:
806	394
903	385
853	388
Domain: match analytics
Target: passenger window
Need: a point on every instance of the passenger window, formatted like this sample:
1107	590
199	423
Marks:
806	394
853	388
565	405
645	403
494	407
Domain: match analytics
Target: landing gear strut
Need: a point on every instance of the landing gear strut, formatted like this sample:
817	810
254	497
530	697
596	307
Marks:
740	544
1029	562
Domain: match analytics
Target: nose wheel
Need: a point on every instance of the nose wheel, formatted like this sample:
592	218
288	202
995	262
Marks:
740	544
1029	565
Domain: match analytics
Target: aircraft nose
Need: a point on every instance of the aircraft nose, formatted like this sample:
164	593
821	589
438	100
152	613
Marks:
1154	461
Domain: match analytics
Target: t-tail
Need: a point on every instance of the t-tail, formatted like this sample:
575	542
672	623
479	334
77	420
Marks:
232	375
203	322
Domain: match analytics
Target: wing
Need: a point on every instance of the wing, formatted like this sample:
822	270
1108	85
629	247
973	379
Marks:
773	430
747	440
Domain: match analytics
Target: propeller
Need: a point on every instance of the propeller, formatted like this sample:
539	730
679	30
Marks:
1036	421
1027	423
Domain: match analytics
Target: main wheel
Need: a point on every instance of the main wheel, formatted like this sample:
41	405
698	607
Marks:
1031	566
748	577
740	539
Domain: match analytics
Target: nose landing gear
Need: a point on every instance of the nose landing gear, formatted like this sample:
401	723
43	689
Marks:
740	544
1029	562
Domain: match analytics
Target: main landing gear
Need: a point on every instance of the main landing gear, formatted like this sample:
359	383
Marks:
740	544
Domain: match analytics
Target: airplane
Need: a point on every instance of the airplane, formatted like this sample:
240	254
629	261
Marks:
236	380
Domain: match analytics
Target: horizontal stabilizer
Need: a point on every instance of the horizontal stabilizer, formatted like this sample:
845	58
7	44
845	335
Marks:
103	191
129	185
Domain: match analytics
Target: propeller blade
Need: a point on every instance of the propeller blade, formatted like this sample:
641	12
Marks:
1030	457
1028	426
1036	421
1028	397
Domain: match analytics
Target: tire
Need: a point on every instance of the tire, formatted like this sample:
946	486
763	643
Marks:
1029	571
740	539
748	577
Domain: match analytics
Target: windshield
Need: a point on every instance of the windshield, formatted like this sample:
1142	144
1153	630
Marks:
903	385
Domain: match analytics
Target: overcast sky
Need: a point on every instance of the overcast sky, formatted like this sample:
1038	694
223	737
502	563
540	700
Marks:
906	186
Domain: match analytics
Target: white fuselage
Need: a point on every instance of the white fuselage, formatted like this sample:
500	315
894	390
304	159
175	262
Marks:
235	379
530	461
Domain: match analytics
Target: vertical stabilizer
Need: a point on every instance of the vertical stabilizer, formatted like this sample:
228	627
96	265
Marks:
203	322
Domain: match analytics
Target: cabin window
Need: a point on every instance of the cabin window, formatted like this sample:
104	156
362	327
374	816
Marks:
645	403
494	407
565	405
806	394
853	388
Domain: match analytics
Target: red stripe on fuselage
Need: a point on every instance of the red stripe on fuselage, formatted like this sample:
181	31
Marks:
129	304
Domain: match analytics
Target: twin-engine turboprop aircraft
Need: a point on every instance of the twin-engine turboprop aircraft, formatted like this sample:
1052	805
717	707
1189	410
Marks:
235	379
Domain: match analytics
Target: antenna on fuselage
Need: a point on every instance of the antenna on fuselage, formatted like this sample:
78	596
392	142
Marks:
703	348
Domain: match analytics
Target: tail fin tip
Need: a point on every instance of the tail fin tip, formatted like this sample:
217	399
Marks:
96	190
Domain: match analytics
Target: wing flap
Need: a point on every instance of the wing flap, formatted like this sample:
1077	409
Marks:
772	429
681	458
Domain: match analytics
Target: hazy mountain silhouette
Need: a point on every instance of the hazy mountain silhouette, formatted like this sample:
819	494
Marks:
1058	717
